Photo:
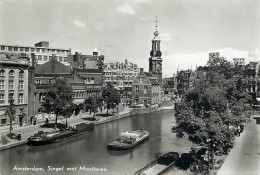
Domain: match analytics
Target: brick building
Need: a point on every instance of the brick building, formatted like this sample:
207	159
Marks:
121	76
16	82
146	91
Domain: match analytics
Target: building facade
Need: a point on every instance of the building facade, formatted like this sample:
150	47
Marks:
121	76
16	82
42	51
146	90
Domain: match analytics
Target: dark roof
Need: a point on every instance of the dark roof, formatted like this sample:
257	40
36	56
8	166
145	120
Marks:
148	74
76	79
90	70
53	67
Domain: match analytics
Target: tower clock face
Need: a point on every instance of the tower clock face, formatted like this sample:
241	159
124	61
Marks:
158	53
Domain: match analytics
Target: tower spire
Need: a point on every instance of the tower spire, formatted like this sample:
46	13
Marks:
156	21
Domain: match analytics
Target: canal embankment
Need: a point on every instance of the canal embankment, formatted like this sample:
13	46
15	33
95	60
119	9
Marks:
29	130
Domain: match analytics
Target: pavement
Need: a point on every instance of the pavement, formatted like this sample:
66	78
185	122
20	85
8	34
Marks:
29	130
244	158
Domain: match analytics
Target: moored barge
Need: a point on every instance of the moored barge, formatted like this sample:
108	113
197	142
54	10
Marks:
41	138
128	140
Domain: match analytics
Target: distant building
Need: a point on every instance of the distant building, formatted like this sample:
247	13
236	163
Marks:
16	82
184	81
80	61
214	55
121	76
170	85
146	90
42	51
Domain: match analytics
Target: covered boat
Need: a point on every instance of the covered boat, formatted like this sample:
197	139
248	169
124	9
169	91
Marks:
128	140
41	138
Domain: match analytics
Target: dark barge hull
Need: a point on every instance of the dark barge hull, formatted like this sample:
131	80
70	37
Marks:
62	135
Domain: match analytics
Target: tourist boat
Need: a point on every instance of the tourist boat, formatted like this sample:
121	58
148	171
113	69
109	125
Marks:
128	140
160	165
42	138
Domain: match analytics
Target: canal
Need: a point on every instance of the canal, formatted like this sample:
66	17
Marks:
89	150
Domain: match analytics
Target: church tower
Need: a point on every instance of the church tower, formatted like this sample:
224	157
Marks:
155	61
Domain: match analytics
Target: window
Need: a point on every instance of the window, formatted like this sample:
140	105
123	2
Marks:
11	73
145	89
137	89
11	85
20	100
26	49
21	73
2	72
2	96
20	85
141	80
2	47
50	57
45	58
11	95
43	50
60	59
3	121
65	59
10	48
38	82
21	49
32	49
2	84
39	57
38	50
15	48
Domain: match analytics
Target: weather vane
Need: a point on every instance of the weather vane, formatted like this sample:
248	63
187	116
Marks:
156	21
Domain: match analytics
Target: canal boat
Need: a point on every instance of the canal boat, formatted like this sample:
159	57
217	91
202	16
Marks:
41	138
160	165
128	140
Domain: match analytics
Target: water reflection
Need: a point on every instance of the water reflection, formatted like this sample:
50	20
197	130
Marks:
90	150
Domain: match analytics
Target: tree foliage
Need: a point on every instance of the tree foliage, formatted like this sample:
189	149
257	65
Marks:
93	103
215	106
111	96
59	99
10	111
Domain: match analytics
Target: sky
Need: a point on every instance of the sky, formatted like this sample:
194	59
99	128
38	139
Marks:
123	29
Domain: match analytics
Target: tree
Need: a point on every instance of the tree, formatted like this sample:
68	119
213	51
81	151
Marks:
111	96
93	103
10	111
58	98
217	103
68	111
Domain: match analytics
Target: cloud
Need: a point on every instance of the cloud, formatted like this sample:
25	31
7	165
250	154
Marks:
79	24
99	26
189	61
126	8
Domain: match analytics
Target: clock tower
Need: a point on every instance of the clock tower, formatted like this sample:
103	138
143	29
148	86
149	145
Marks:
155	61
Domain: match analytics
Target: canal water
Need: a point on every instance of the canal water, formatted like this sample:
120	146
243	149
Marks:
87	153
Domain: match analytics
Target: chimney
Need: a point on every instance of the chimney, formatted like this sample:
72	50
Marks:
53	57
95	52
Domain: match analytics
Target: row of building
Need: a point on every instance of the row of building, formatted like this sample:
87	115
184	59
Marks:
181	82
27	73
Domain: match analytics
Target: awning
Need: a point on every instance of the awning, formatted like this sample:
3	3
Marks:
257	99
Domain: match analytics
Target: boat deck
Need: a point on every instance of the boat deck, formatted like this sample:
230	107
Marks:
155	169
